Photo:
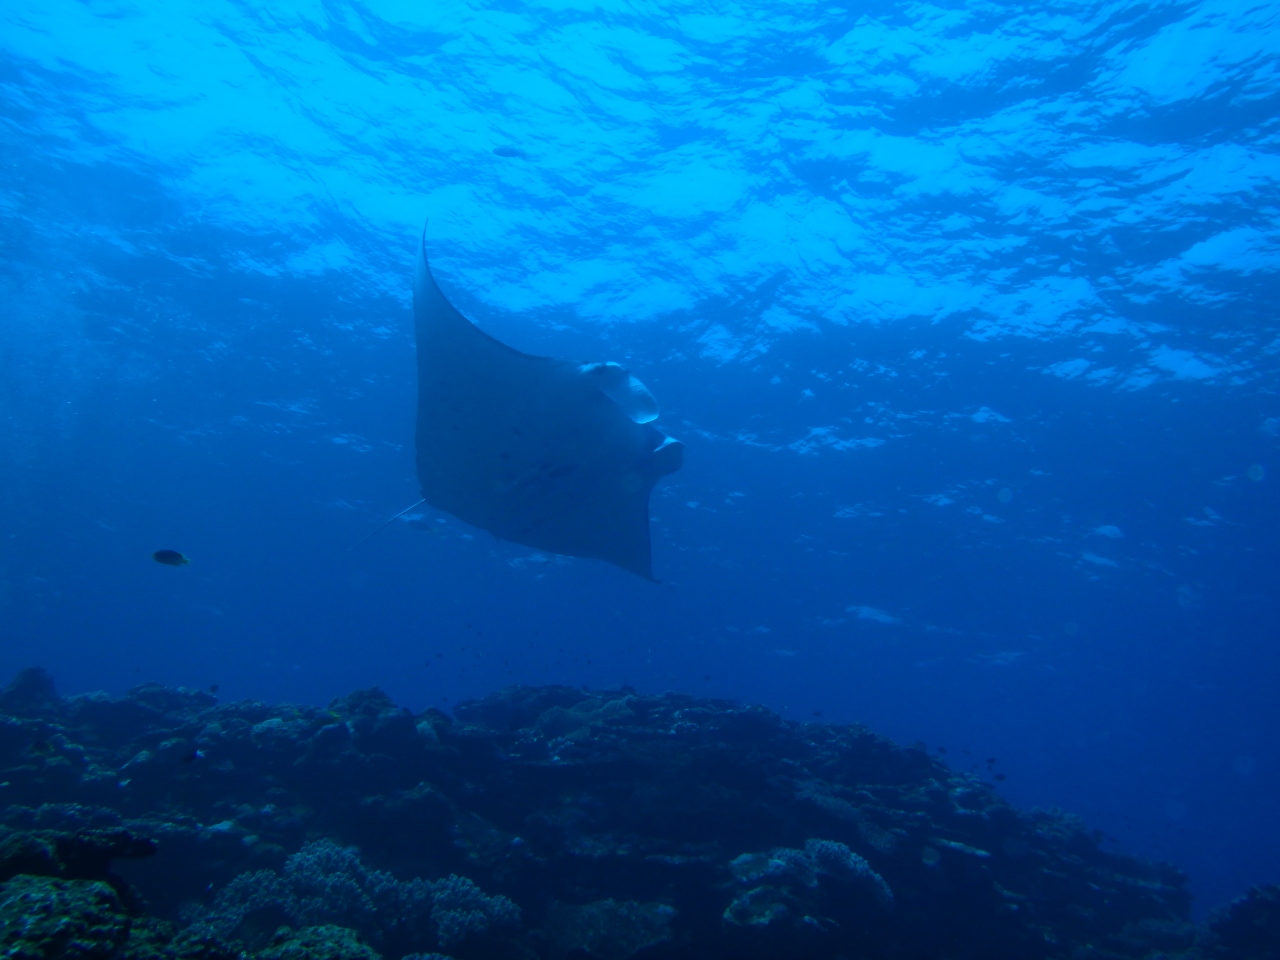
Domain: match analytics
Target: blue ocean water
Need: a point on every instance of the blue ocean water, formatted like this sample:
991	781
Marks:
966	314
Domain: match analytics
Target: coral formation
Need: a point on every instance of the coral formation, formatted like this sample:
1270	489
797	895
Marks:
324	942
608	929
804	867
543	823
782	884
459	908
324	885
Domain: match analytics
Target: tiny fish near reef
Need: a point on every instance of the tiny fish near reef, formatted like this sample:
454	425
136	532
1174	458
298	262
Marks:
170	558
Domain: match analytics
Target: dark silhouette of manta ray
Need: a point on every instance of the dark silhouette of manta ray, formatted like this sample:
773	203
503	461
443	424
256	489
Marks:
544	452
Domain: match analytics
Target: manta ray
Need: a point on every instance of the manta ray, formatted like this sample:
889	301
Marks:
545	452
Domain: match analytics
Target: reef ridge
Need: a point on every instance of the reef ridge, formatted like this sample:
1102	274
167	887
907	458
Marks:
543	822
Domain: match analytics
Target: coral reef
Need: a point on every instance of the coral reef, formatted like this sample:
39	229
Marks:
543	823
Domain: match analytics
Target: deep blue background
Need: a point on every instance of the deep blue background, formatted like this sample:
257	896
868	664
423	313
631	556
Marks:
966	315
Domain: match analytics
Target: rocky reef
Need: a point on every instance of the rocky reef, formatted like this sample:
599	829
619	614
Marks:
543	822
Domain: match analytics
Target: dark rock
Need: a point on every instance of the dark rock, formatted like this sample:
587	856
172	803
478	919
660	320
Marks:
369	704
31	693
85	855
88	855
516	707
1248	928
31	853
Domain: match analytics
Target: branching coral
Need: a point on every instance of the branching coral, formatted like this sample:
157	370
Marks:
836	860
459	908
324	883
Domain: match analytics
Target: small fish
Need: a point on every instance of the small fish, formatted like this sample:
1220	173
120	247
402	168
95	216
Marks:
170	558
193	756
510	152
213	688
40	748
